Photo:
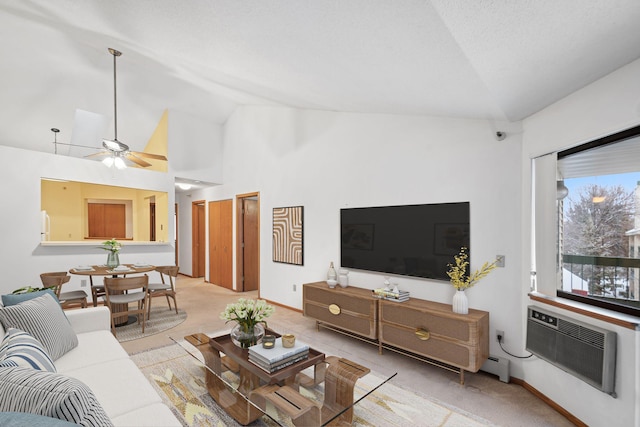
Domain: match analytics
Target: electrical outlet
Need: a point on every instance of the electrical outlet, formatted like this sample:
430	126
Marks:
294	287
499	334
500	260
83	283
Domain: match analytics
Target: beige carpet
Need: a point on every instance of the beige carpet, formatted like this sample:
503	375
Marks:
160	320
179	378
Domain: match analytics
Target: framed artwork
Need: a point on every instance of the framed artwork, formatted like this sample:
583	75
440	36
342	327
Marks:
449	238
288	235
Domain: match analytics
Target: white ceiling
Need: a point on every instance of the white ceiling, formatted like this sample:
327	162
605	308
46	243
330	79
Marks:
492	59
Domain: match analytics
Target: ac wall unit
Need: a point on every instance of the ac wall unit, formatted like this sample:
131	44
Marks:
583	350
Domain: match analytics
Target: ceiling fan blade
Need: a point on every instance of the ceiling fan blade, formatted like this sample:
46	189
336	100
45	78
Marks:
132	157
149	155
99	154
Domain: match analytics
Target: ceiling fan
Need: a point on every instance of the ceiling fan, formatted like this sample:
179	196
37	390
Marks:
116	153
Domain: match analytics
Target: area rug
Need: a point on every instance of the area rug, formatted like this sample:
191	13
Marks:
179	379
161	319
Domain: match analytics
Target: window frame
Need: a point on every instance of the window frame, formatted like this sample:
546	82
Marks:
614	138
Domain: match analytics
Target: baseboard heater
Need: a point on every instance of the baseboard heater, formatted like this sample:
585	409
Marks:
582	350
497	366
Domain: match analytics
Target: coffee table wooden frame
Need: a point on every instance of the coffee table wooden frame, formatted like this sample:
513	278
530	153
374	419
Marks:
235	402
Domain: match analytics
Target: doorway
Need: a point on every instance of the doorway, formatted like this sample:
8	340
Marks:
198	242
248	241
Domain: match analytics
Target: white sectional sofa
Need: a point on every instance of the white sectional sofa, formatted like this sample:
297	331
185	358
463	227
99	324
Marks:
100	362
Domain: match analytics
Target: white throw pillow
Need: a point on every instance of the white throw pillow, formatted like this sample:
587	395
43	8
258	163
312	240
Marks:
18	348
44	319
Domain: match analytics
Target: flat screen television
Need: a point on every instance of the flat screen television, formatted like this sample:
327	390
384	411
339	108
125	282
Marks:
409	240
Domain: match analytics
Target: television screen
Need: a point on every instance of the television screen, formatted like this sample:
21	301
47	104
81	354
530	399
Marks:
410	240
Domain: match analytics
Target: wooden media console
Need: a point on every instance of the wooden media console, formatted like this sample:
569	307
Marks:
425	330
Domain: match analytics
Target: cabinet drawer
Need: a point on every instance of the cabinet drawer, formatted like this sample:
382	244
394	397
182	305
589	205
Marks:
449	352
364	325
345	298
447	326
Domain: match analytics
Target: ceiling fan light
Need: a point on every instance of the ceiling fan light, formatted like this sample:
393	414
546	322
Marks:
119	163
108	162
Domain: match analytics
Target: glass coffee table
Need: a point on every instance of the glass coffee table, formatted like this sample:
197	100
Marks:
316	391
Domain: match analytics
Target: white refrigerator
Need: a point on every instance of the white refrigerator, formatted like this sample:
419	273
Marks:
45	226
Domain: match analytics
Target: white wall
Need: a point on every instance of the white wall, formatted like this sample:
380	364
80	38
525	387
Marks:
195	147
22	258
609	105
325	161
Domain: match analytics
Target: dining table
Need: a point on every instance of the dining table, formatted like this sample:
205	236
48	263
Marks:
103	270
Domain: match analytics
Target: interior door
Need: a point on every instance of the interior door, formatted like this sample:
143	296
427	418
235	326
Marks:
248	241
198	239
251	248
221	243
107	220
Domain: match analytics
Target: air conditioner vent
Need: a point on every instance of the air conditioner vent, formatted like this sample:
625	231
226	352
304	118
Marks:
583	350
583	334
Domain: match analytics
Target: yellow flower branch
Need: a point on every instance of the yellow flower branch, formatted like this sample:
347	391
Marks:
458	271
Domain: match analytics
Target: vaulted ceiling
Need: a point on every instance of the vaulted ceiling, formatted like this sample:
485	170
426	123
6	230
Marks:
492	59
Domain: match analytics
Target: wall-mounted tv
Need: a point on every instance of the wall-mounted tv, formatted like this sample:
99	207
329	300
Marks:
409	240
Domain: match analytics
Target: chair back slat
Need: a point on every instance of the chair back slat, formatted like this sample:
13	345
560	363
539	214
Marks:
170	270
120	284
54	280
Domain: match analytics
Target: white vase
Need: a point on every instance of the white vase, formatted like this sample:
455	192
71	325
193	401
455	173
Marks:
460	303
331	273
343	278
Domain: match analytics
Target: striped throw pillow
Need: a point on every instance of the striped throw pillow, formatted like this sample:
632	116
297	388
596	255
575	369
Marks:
51	395
44	319
18	348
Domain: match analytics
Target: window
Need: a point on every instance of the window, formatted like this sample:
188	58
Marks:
587	222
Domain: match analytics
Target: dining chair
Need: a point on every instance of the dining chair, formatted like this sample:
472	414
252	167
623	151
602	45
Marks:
122	291
55	280
165	288
97	291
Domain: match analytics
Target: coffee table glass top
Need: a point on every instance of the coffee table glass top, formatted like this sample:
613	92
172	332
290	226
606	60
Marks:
311	392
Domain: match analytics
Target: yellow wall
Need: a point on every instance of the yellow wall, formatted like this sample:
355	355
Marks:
66	205
61	200
158	144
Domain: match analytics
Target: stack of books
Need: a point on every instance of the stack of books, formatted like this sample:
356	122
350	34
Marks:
400	296
277	357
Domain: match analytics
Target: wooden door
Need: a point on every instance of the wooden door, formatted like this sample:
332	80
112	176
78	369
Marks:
251	248
152	222
221	243
107	220
198	243
248	241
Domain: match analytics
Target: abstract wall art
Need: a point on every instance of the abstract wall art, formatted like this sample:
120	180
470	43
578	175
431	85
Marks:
288	235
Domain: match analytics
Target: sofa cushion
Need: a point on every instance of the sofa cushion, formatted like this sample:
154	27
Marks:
94	349
43	318
13	299
22	419
50	394
18	348
119	386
